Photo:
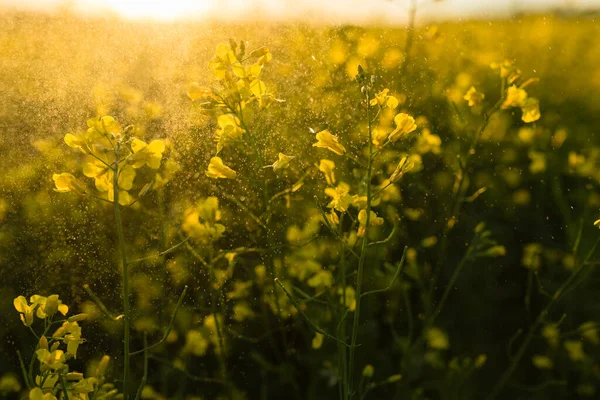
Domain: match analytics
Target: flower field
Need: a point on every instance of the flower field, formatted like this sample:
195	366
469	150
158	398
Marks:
268	210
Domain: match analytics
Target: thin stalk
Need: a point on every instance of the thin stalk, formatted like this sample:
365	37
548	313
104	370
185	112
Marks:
342	352
267	210
458	196
361	261
145	375
448	289
308	320
169	327
23	369
213	306
123	253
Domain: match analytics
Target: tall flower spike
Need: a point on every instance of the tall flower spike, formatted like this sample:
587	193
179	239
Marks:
327	141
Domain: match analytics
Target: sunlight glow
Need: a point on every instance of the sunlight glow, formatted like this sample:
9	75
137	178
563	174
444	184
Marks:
159	9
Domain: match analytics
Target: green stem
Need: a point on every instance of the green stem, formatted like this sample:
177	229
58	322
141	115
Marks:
342	352
361	261
123	254
448	289
458	196
23	370
213	305
145	375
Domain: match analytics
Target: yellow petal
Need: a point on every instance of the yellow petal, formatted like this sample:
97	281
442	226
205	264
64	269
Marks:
257	87
138	145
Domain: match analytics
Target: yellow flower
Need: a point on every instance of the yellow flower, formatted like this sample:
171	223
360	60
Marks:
48	306
216	169
147	154
507	70
317	341
362	220
437	339
515	97
474	97
77	141
380	136
384	100
428	142
341	199
327	141
51	360
85	386
25	309
575	350
195	343
66	182
200	221
73	338
531	110
327	167
223	59
350	297
282	162
38	394
542	362
405	124
101	127
125	198
258	87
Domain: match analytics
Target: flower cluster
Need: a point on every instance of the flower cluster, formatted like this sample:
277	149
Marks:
111	152
241	87
54	372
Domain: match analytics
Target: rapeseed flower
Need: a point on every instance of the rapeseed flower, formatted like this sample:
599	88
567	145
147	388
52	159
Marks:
340	197
384	100
405	124
149	154
327	167
474	97
65	182
25	309
362	220
217	169
282	162
330	142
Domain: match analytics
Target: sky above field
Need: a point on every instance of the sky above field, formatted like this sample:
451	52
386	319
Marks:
334	11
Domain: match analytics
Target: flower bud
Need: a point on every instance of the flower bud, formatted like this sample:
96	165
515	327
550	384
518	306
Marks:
74	376
103	365
43	343
403	167
368	371
78	317
51	305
